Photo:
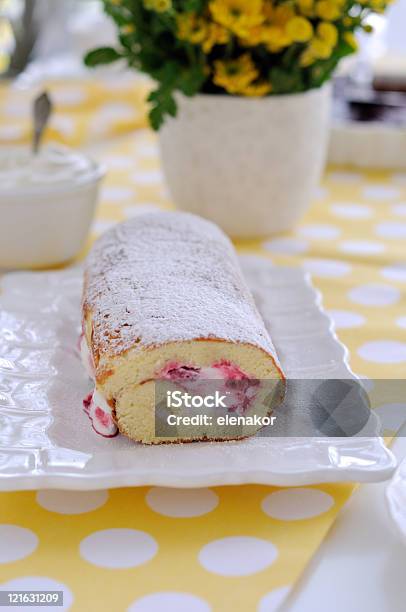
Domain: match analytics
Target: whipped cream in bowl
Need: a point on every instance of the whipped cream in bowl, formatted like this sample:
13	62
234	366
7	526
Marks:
47	203
54	167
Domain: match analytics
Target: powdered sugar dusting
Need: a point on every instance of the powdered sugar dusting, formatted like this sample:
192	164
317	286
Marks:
166	277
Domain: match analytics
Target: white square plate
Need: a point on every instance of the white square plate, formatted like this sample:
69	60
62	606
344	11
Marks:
46	440
396	500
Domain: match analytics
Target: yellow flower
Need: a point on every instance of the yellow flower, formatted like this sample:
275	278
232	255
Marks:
272	31
257	90
254	36
275	38
237	15
306	7
350	40
160	6
327	32
235	75
192	28
299	29
216	35
268	9
320	49
328	10
307	58
282	14
377	5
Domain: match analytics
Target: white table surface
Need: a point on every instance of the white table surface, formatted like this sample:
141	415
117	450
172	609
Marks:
361	565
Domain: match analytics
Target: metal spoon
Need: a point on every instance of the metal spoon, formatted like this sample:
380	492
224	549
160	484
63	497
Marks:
42	109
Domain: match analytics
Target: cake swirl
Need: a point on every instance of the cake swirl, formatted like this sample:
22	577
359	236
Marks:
167	288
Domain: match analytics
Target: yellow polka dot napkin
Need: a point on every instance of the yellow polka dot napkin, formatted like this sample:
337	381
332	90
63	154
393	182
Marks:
226	548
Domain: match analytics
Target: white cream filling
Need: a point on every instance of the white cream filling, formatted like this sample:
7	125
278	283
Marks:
98	411
201	384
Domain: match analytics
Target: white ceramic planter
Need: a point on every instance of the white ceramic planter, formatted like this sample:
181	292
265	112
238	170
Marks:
251	165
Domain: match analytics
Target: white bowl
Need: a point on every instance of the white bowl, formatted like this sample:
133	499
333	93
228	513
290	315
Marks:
46	223
396	500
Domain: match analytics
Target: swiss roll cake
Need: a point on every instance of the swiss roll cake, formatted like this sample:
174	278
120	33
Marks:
165	301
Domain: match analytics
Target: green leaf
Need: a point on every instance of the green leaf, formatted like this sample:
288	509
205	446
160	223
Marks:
170	105
192	6
121	15
103	55
285	81
163	103
191	81
156	117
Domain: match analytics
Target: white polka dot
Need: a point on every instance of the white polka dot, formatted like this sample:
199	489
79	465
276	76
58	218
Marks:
71	502
116	193
38	583
319	232
392	416
320	193
396	272
383	351
344	319
120	111
123	81
351	211
346	177
380	192
119	162
237	556
401	322
98	126
296	504
399	209
169	601
63	124
150	177
374	295
147	149
391	229
110	114
68	96
288	246
102	225
361	247
140	209
11	132
181	502
17	107
118	548
326	267
272	601
16	542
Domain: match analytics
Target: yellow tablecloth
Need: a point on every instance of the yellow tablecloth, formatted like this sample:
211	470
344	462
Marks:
237	548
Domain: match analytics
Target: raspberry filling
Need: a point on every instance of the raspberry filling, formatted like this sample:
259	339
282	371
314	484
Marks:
232	380
99	413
